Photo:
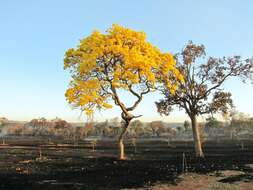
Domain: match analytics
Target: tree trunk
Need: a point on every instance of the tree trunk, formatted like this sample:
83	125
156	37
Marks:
196	136
121	143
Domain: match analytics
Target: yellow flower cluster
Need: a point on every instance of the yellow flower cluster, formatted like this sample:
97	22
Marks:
121	55
86	95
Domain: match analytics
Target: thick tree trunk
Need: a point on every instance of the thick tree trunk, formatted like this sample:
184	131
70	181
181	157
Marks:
121	143
197	142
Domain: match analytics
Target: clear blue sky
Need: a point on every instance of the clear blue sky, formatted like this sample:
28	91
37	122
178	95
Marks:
35	34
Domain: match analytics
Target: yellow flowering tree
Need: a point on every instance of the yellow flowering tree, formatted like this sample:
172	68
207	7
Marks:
119	60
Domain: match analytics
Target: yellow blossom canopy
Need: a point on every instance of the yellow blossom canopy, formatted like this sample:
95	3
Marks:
119	59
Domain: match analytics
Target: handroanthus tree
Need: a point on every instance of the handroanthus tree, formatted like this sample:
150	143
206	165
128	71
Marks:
202	91
104	65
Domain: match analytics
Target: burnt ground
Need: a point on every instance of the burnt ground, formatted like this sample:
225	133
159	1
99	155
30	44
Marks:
36	164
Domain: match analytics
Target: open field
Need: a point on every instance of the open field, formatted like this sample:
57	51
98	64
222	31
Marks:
28	163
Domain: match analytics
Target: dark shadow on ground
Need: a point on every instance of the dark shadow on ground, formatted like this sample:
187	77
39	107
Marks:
238	178
246	177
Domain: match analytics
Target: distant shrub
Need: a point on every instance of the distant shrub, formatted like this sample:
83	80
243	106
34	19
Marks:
212	122
3	121
187	125
15	129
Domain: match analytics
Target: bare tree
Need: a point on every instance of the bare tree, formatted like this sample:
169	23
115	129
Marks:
202	92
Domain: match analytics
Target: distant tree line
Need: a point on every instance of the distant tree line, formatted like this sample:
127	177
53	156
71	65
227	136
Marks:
235	125
62	129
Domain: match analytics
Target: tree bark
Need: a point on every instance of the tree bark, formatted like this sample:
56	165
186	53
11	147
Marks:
121	143
197	142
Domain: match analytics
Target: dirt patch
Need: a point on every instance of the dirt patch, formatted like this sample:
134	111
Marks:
187	182
193	181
